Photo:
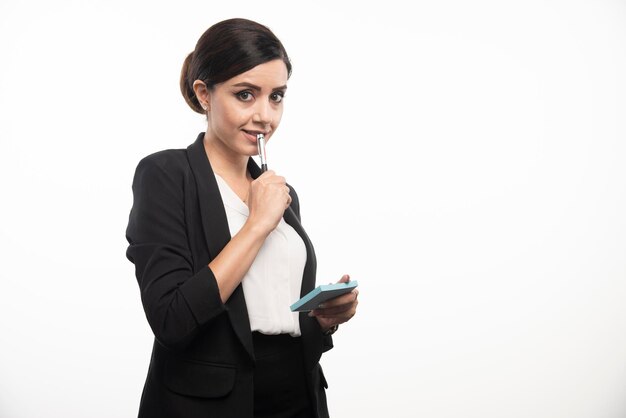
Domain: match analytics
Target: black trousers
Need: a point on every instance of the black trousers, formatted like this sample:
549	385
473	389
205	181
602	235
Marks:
280	389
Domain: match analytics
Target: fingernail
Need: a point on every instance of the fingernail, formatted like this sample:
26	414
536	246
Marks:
311	313
321	306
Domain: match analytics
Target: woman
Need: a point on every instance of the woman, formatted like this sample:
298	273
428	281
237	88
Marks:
220	253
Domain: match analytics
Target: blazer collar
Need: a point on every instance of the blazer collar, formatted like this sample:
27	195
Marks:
214	221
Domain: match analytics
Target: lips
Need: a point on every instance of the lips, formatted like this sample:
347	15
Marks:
251	135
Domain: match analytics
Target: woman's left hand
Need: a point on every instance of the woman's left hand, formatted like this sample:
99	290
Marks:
337	310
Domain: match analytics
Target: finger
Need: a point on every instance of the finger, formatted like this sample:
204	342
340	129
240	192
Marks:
277	180
270	177
344	279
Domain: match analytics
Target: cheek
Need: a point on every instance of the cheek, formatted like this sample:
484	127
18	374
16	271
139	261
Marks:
222	118
234	116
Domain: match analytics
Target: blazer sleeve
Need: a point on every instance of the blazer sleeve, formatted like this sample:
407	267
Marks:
177	301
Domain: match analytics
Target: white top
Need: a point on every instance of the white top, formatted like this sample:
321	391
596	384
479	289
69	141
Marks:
274	280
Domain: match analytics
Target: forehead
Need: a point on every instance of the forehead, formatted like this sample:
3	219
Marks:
270	75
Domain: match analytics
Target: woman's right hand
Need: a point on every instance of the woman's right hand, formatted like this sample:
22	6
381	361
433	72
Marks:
268	198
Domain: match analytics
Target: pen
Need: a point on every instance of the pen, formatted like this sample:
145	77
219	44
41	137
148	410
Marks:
260	142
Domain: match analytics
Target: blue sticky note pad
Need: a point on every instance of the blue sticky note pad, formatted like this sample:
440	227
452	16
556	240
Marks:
322	293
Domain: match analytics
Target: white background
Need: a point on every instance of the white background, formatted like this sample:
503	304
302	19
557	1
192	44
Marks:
464	161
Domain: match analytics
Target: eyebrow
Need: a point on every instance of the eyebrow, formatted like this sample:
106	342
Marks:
255	87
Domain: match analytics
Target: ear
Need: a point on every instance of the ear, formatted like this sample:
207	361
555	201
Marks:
202	93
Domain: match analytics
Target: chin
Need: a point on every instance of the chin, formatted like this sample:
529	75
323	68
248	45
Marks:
249	151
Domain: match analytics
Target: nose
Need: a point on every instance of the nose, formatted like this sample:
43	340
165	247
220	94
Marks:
263	113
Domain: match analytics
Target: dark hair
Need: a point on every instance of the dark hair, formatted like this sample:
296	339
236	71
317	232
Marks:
227	49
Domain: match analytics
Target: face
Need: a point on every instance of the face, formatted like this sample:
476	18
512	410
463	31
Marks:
244	106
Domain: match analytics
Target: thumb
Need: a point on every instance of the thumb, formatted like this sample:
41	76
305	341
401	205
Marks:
344	279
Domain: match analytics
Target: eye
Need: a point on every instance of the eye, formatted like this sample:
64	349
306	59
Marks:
277	96
244	96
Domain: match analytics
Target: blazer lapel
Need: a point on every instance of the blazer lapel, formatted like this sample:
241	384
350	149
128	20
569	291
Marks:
217	234
308	280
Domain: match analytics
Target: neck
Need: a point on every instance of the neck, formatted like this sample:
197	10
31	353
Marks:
224	162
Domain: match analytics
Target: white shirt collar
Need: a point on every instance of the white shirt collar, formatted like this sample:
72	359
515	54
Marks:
230	198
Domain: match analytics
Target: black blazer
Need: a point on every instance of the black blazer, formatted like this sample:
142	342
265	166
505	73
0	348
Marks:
202	360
